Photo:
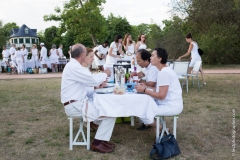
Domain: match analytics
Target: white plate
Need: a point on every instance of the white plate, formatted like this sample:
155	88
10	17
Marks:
109	85
104	90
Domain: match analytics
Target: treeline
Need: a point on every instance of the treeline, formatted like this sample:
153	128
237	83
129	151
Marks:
213	24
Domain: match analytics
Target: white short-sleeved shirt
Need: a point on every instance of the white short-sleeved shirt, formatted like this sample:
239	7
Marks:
12	52
25	52
60	52
167	77
5	53
19	54
151	73
102	50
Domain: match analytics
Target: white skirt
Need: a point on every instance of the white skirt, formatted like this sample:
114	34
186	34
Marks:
54	59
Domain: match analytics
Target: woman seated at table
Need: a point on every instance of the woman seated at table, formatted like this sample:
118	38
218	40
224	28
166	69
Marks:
168	91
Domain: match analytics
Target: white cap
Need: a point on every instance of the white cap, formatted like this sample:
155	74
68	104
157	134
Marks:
41	44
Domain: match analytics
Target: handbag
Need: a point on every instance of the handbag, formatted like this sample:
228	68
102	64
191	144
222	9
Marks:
167	148
200	52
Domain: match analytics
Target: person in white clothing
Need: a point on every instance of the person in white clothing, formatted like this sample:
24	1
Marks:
25	54
12	53
69	52
5	55
168	91
60	52
76	95
54	58
20	60
100	53
35	53
193	49
141	42
129	45
114	49
43	55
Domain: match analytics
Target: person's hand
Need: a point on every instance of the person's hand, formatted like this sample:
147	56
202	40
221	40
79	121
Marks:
118	56
103	84
107	71
103	56
140	87
140	75
179	59
100	58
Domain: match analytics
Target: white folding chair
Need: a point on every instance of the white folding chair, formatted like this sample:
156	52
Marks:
160	120
84	140
195	72
171	65
181	68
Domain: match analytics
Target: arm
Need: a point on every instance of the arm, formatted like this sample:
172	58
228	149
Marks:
120	50
95	52
112	55
150	83
188	52
161	95
50	53
137	46
57	52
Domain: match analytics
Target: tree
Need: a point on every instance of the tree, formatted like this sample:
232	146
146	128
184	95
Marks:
82	17
115	26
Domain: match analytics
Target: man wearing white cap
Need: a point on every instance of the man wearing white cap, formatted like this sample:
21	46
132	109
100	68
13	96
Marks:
12	53
43	56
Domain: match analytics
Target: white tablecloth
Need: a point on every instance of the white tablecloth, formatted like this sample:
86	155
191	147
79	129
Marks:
29	63
112	105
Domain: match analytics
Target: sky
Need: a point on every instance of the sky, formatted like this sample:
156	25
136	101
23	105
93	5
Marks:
31	12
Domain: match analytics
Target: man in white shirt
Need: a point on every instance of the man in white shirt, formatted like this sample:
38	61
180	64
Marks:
12	53
60	51
43	55
77	88
150	73
25	54
5	54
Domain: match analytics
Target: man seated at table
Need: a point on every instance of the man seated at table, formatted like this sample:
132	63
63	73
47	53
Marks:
76	86
150	73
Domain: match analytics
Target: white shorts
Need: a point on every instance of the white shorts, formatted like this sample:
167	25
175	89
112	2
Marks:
193	60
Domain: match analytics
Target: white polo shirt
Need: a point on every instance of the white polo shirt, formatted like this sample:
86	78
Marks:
5	53
151	73
12	52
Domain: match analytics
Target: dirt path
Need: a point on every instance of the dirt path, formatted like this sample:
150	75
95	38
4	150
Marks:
59	75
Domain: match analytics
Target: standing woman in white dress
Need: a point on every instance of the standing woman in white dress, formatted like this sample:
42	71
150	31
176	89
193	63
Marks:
20	60
193	49
141	44
35	55
25	54
54	58
129	45
100	53
116	46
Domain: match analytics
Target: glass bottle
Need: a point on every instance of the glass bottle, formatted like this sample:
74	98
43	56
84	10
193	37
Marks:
135	75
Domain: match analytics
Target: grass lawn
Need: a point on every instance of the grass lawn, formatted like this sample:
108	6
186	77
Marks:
33	124
221	66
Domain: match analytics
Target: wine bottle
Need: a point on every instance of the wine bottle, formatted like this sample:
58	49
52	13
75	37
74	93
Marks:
127	76
135	75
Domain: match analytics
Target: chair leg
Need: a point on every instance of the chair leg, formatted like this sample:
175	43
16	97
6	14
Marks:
88	135
132	120
187	84
175	126
157	129
192	81
198	83
71	133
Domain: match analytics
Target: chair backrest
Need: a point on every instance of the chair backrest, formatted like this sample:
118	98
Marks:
197	66
181	68
168	63
171	65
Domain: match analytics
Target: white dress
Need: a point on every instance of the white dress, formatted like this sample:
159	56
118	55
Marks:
101	50
112	60
142	46
34	54
194	54
130	52
19	61
44	55
53	57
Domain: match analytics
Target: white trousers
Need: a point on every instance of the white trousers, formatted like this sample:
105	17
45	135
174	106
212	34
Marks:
35	63
106	125
19	64
165	110
24	64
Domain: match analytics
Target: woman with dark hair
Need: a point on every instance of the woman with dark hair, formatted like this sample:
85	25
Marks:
115	47
193	49
168	91
129	45
100	54
141	42
25	54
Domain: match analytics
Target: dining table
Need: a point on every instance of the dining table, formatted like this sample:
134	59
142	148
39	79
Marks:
125	105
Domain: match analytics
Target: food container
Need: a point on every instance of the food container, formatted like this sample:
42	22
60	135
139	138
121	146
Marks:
119	89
